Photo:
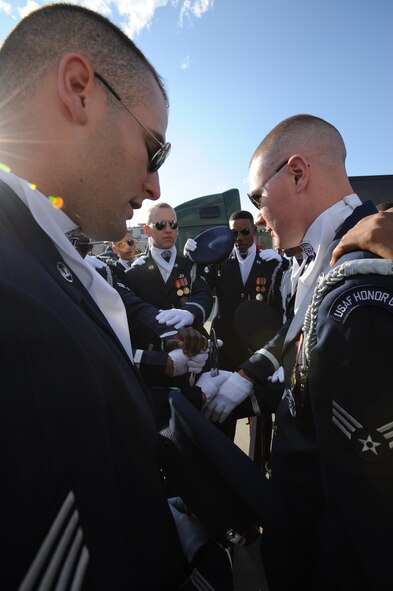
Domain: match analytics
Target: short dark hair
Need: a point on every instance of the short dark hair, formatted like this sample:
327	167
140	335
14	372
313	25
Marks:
41	39
242	215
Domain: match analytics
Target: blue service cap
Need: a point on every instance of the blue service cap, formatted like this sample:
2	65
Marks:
213	245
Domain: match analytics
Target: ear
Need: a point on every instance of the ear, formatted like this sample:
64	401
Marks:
75	83
115	249
147	230
299	168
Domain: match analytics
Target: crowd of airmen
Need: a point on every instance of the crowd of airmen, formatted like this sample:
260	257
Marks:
112	403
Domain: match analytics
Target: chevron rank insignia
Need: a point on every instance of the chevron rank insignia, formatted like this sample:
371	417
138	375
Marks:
370	444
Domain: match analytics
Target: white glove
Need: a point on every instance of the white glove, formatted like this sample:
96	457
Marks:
277	376
192	534
210	385
270	255
180	362
138	262
176	317
231	393
196	362
189	246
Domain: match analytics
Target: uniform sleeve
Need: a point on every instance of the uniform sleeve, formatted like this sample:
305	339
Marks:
350	386
264	362
144	329
151	364
200	302
264	400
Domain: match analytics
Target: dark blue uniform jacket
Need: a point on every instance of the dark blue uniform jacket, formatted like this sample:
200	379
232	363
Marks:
80	480
332	452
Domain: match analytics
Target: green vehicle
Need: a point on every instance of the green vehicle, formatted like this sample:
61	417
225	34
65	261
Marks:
199	214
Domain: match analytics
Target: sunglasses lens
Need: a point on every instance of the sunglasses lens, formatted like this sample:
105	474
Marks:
130	242
244	232
159	157
255	201
161	225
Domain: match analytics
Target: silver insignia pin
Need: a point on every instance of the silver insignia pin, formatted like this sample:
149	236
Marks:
64	272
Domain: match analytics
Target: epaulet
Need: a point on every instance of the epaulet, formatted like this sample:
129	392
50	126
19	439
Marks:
325	283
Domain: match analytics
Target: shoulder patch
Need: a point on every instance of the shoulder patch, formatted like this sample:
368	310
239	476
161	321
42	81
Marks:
362	295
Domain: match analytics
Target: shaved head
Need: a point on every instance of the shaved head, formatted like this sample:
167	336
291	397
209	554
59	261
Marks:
296	173
40	40
304	134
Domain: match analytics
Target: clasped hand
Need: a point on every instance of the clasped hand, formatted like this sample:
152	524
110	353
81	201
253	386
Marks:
223	393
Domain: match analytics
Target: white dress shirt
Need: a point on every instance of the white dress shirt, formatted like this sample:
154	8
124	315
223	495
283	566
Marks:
245	264
164	266
320	235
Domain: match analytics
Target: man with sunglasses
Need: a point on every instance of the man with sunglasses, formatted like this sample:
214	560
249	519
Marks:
249	273
83	506
125	250
332	454
167	280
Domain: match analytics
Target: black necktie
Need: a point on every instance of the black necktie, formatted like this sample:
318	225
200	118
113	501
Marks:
166	255
243	255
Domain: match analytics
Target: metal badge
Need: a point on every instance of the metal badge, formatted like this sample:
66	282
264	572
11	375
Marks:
259	297
64	272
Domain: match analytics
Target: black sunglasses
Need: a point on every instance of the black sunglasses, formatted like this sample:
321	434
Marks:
158	158
244	232
256	200
124	243
162	224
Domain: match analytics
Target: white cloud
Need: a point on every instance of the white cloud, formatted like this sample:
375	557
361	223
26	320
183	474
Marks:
186	64
29	7
196	8
5	7
138	14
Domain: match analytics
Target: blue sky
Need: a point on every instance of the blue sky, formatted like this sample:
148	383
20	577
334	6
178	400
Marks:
235	68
